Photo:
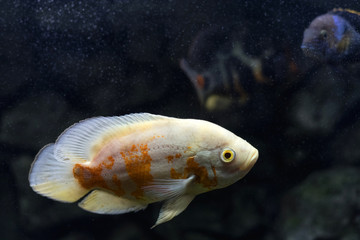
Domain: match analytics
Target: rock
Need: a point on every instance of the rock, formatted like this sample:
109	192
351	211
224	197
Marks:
319	105
344	148
246	216
325	206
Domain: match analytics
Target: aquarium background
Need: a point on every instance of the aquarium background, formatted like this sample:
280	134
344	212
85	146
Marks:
64	61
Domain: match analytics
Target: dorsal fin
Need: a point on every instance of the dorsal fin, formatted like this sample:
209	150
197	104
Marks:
352	16
335	10
79	141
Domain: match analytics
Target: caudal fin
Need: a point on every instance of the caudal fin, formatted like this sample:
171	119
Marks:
54	178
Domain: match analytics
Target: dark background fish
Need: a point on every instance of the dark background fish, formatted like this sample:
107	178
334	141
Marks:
226	73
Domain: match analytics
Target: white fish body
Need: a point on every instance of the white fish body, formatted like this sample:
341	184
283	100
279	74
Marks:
131	161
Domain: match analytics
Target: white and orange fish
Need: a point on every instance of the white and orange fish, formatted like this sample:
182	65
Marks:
131	161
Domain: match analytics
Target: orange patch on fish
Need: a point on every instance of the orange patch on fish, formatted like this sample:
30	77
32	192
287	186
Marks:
91	177
176	175
109	163
156	136
214	171
119	191
259	76
170	158
138	166
200	172
187	149
200	81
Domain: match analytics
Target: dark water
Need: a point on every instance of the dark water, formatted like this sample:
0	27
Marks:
64	61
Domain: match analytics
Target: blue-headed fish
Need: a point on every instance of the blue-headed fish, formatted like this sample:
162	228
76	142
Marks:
333	37
122	164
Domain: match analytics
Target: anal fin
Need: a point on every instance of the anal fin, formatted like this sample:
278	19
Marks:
173	207
103	202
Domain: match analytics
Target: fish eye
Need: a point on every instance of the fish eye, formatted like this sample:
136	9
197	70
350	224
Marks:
323	33
227	155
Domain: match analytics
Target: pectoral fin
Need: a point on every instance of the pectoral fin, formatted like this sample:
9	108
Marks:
161	189
173	207
343	45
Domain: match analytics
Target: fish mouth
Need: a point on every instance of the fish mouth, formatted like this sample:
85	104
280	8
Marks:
316	50
252	159
310	50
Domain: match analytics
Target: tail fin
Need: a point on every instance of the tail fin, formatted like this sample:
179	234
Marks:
53	178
